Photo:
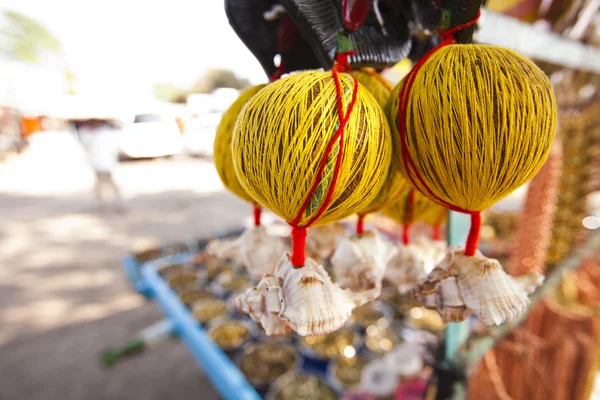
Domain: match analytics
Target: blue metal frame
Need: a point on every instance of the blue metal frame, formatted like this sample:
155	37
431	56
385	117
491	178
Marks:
221	371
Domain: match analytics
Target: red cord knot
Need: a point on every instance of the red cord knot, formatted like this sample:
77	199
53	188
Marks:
360	228
279	71
257	212
342	61
447	35
298	244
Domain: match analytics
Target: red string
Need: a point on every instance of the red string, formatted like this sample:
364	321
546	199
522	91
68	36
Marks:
473	234
437	232
299	233
342	61
360	229
298	244
279	71
257	212
405	233
447	39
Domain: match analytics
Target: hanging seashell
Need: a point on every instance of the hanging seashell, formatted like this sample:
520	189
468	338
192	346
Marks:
359	262
413	262
255	249
462	285
302	299
321	240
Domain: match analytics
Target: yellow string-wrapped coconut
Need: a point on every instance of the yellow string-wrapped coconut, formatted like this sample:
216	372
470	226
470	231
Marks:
395	181
479	123
376	84
222	144
282	135
421	209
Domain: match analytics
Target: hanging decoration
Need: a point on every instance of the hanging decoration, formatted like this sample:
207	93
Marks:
494	135
314	148
254	248
415	259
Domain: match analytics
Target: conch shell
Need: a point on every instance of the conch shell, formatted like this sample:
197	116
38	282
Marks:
461	285
302	299
321	240
359	262
255	249
413	262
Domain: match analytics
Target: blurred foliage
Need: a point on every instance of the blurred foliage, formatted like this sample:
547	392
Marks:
211	80
24	39
169	92
219	78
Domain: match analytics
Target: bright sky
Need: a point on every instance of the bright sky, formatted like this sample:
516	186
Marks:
136	43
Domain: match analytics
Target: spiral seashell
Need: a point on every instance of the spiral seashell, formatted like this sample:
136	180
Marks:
302	299
359	262
463	285
255	249
413	262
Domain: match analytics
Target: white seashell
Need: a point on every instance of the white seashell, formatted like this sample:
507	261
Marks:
321	240
405	359
413	262
461	285
303	299
359	262
254	248
378	379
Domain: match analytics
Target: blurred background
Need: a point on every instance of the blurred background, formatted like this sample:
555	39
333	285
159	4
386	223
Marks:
161	70
71	208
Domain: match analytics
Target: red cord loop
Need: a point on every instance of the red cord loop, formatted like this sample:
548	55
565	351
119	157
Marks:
342	61
279	71
437	232
405	233
298	244
257	212
298	260
360	228
407	161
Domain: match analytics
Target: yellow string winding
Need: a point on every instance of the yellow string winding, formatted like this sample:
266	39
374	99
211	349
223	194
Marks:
395	181
281	136
422	209
479	123
376	84
222	145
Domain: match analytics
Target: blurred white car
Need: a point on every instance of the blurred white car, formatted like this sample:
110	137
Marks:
150	135
200	133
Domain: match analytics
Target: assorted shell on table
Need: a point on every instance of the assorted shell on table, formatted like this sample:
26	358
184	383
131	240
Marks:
463	285
359	262
255	249
301	299
413	262
321	240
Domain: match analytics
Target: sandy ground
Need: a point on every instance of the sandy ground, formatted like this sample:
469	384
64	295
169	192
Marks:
63	296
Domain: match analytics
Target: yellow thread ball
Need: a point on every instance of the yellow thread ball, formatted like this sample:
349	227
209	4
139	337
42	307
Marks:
222	144
479	123
423	209
281	137
376	84
395	182
392	188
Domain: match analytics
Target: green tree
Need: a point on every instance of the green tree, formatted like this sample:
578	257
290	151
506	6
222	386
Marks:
24	39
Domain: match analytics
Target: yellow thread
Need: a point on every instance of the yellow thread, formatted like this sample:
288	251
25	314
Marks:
281	136
479	123
423	209
374	83
395	181
222	144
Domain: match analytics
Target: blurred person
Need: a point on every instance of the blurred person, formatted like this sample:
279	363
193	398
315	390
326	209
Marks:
100	140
